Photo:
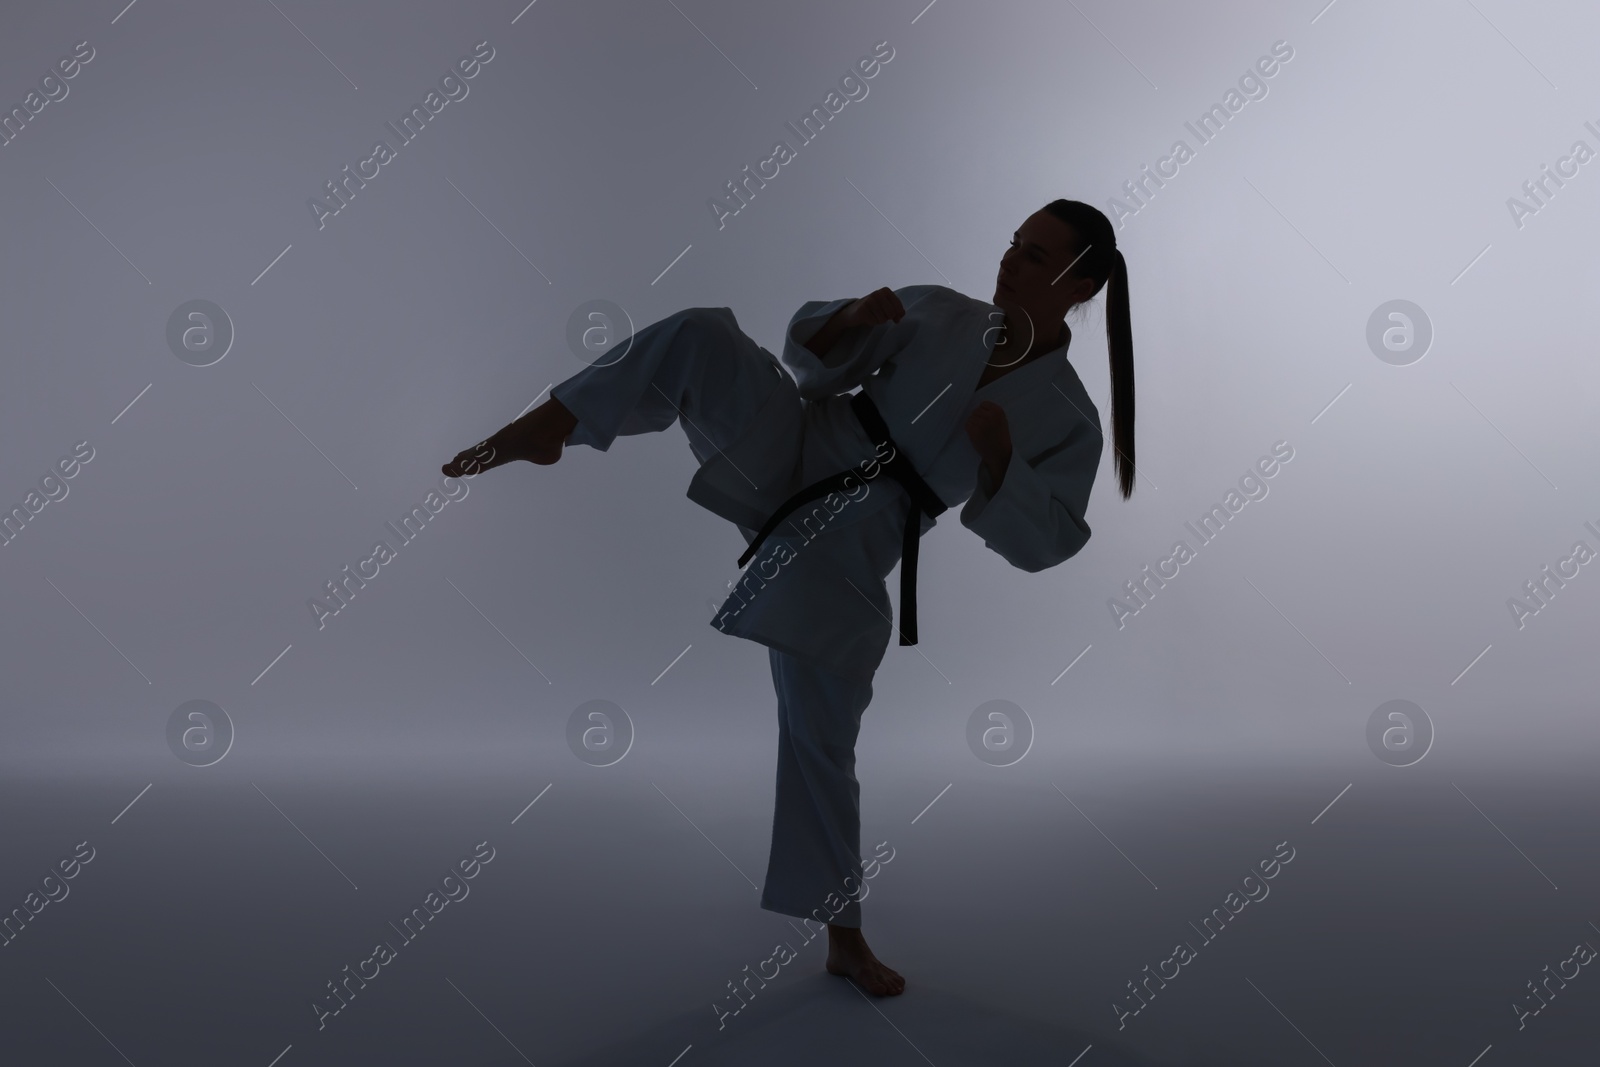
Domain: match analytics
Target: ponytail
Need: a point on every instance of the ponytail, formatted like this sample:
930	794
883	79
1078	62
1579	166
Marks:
1101	262
1119	351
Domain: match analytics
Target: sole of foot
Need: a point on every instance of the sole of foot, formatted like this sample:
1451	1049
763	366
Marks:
538	437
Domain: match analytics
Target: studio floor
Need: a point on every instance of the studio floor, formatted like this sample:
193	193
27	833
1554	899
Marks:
619	905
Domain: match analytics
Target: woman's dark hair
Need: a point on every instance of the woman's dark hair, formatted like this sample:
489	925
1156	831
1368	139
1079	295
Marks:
1100	262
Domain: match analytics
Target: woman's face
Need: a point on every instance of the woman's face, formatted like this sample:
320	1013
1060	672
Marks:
1032	276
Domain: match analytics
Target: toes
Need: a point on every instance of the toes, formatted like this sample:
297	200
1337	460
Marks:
883	982
474	460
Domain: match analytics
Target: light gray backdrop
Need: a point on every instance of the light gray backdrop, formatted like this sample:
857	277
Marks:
1375	165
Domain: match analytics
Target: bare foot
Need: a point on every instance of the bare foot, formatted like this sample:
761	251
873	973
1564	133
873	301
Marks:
849	955
537	437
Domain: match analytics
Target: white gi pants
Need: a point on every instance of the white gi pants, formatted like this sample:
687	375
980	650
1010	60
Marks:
696	366
814	868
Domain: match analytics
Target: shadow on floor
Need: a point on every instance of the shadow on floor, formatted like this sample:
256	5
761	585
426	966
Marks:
821	1018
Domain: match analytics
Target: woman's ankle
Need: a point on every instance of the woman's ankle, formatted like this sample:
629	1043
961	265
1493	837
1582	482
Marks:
558	415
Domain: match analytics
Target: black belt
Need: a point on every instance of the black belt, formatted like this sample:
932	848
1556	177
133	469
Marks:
923	501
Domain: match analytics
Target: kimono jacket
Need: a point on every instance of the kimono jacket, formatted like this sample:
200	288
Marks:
816	589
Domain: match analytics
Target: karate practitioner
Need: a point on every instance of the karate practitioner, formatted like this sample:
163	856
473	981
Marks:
960	400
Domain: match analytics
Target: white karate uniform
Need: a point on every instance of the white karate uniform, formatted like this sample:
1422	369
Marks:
819	600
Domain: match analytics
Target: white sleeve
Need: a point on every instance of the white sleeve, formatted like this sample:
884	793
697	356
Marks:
856	355
1036	520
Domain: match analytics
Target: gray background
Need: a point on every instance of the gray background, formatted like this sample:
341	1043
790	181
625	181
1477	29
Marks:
1218	722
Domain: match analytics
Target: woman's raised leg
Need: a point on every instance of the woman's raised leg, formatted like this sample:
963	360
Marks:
695	367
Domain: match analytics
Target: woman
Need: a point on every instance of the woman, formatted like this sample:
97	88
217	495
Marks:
960	400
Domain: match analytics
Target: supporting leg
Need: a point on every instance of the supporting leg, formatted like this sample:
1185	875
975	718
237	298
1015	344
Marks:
814	869
815	861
